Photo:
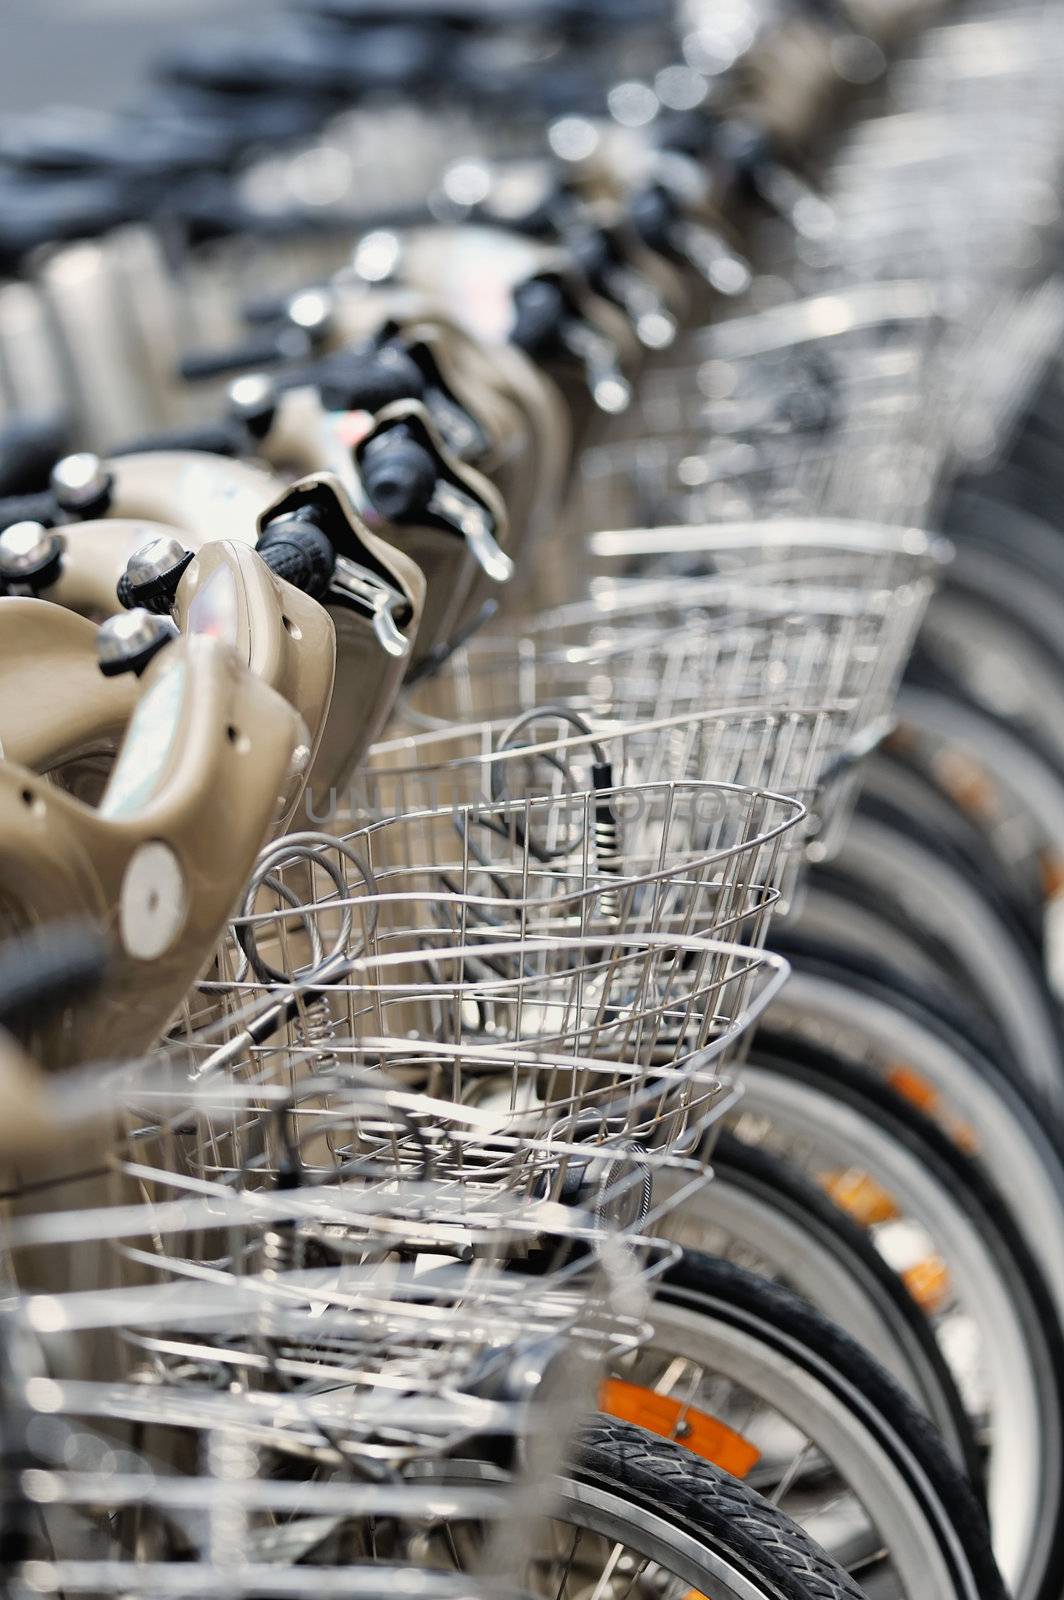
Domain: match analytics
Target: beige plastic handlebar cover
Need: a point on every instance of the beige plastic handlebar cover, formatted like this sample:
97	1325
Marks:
95	555
280	634
521	424
212	763
185	493
59	715
247	604
59	709
194	493
368	675
519	379
446	555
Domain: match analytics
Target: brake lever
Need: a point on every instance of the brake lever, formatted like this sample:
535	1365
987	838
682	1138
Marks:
443	513
374	580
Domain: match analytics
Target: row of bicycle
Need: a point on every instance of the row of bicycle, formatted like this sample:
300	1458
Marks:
467	1206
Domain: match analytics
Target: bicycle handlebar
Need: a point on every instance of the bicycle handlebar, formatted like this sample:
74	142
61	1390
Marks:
398	474
296	549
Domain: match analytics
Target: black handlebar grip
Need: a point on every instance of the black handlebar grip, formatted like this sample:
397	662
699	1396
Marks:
652	212
222	438
297	549
590	249
369	381
42	508
199	365
43	971
29	449
539	310
398	474
691	133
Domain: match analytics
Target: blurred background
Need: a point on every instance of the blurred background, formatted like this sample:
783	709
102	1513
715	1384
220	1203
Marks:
90	52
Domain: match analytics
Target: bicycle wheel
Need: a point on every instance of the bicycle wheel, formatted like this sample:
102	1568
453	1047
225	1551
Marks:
993	622
877	1032
963	819
934	897
763	1213
986	1299
839	914
934	716
1000	885
828	1436
979	522
640	1517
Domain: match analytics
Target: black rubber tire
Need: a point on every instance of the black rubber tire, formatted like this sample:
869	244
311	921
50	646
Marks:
971	844
758	1171
936	1006
910	1128
786	1323
712	1507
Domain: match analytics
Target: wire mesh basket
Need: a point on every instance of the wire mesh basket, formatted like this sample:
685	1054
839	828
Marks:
291	1353
275	1362
92	1507
556	813
575	743
809	622
752	760
859	590
541	1029
662	646
278	1391
952	182
547	971
862	585
654	648
812	407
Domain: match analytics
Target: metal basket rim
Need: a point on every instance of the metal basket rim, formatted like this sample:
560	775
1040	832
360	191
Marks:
852	535
603	731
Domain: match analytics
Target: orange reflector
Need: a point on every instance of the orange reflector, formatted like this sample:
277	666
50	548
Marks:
860	1196
965	1138
967	784
697	1431
1051	871
909	1084
928	1283
925	1097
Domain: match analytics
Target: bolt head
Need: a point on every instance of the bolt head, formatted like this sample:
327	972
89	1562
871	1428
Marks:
79	480
311	310
155	559
377	255
126	642
25	547
252	392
